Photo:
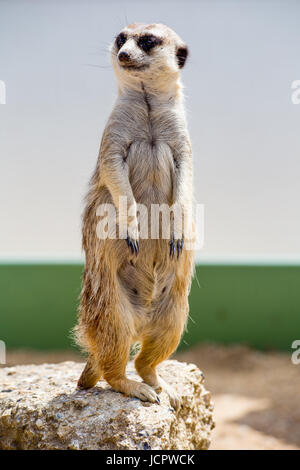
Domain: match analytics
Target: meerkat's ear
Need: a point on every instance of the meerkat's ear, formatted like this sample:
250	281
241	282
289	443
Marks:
181	53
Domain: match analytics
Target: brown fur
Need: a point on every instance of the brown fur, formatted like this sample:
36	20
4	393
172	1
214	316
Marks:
145	155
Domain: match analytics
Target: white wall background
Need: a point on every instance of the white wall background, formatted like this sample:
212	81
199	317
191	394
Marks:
244	127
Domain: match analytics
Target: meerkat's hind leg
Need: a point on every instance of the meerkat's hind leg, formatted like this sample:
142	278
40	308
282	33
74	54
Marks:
90	374
113	371
151	355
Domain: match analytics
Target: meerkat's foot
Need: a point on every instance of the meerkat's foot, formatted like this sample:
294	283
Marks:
175	400
145	393
135	389
150	376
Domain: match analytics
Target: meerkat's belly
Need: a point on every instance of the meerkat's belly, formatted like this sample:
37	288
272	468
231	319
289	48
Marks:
151	167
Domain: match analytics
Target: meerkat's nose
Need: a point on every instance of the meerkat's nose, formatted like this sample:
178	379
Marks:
124	57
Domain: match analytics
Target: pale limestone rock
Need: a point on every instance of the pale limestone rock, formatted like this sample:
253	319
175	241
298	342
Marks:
40	408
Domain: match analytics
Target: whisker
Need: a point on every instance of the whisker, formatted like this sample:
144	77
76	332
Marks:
126	19
98	66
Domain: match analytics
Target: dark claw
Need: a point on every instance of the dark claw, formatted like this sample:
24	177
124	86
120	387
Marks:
172	248
158	400
129	244
179	247
175	246
134	246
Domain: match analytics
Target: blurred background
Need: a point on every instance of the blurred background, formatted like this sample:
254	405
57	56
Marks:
245	298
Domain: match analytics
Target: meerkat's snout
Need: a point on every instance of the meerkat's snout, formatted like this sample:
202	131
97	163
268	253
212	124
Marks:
129	57
124	57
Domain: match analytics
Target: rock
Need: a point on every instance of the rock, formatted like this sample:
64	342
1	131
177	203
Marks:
40	408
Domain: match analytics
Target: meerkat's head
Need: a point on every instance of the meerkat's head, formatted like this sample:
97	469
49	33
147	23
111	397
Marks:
152	54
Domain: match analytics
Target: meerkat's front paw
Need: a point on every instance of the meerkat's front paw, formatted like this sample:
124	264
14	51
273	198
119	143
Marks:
175	246
133	245
132	239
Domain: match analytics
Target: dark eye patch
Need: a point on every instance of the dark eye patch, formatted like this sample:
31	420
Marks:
148	42
120	40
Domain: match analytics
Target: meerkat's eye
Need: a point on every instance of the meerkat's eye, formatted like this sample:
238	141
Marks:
120	40
147	42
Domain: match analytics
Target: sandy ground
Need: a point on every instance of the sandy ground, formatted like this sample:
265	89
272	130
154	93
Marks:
256	395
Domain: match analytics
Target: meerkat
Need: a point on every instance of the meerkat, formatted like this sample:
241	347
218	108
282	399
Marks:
133	289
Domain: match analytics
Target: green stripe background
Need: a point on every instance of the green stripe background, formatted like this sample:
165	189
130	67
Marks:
257	305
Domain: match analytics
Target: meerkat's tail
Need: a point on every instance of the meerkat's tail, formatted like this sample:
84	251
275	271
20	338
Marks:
96	302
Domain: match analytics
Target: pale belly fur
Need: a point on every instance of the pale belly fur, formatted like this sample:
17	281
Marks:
151	168
148	276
